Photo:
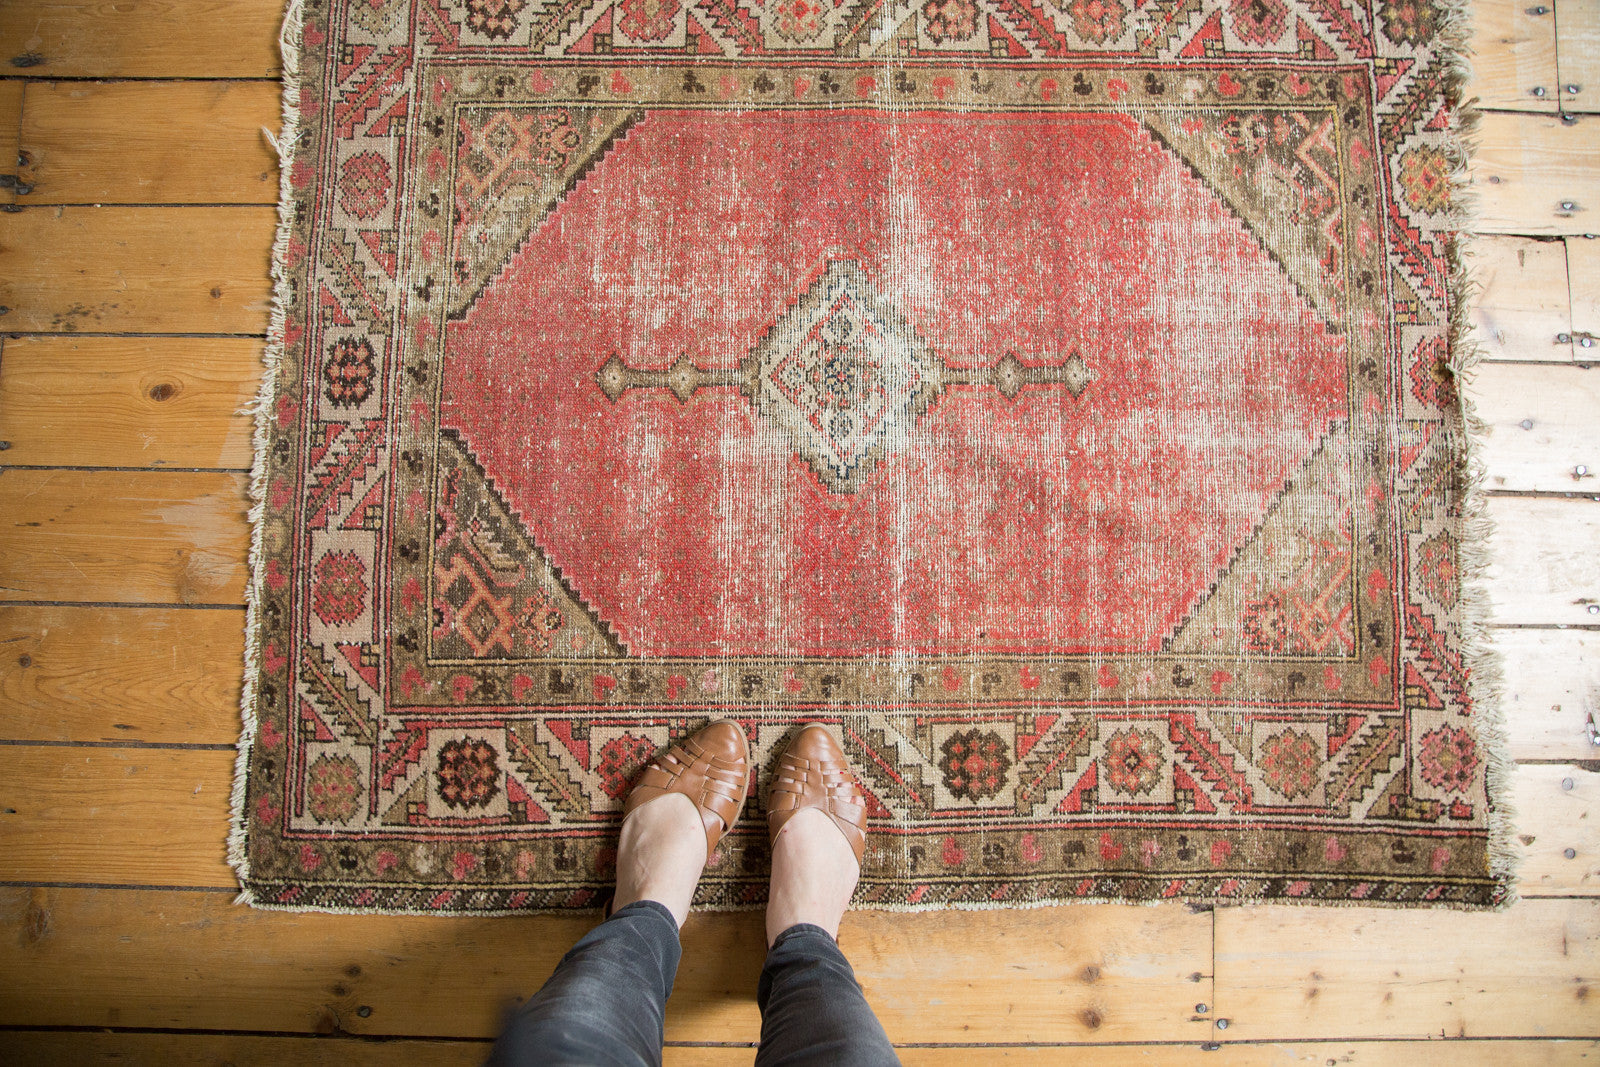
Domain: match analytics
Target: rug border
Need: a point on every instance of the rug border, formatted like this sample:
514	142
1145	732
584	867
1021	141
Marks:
1486	670
290	41
1482	658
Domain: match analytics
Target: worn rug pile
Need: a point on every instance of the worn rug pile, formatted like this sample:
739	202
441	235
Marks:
1056	396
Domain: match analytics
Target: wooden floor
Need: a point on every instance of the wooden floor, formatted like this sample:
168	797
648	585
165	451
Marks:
133	274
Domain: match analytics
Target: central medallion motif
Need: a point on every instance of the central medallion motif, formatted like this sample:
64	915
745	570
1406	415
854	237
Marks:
843	374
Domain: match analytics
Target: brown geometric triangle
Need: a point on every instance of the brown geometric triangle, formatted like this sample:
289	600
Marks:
495	596
1277	172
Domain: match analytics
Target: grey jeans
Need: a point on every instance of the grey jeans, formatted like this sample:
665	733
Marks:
606	1002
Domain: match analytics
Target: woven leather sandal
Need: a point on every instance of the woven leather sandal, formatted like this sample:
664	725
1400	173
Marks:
814	773
711	768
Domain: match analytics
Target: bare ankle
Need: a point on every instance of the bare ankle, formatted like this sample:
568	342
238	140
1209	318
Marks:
814	873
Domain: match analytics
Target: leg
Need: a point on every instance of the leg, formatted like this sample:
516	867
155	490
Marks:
812	1010
606	1003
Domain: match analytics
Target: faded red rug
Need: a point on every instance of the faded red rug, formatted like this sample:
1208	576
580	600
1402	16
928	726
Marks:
1058	398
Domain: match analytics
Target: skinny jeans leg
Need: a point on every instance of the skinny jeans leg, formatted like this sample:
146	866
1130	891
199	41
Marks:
812	1008
606	1003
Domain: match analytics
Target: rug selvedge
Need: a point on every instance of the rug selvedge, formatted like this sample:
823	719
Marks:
1059	401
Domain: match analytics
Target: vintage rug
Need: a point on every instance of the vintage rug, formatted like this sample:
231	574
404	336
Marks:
1055	395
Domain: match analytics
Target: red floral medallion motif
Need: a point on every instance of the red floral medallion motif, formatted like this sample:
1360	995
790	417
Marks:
974	764
347	376
1134	762
798	20
950	20
1410	21
339	588
620	761
1291	763
496	19
1432	380
1259	22
1425	179
333	789
1098	21
364	186
648	20
1438	568
468	773
1449	759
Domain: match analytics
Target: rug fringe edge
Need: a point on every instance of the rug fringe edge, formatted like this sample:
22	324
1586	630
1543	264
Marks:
1486	677
1188	903
289	47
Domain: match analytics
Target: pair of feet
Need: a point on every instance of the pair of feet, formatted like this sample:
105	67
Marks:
665	841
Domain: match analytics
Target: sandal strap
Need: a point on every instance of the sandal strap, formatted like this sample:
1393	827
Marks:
818	780
715	783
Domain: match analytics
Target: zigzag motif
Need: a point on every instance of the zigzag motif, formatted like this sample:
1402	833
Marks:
1031	24
355	102
603	148
360	291
335	694
545	769
1422	263
558	19
734	23
1438	661
1354	775
859	23
1337	18
403	751
344	471
1206	756
1048	765
1167	19
437	27
1416	103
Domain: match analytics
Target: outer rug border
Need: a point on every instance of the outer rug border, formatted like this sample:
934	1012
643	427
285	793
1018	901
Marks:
1483	660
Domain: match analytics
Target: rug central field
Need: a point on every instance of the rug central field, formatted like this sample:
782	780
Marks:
1058	400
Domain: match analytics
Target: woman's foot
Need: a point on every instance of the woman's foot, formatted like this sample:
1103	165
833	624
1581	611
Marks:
686	800
818	820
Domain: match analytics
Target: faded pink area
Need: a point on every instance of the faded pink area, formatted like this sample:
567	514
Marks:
1035	525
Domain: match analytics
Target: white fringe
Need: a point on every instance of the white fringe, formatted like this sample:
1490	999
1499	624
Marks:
289	44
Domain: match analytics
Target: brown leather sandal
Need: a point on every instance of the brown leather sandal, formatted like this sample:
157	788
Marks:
814	773
711	768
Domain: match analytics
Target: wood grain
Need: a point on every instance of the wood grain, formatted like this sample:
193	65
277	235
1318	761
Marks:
1558	811
1583	262
128	401
88	953
1365	972
150	39
133	816
137	269
35	1048
1578	54
1528	167
1514	53
149	537
1521	308
152	675
1545	426
1552	682
152	142
1545	570
11	93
